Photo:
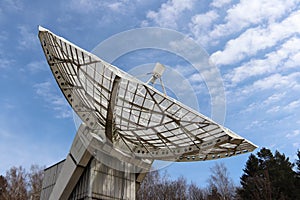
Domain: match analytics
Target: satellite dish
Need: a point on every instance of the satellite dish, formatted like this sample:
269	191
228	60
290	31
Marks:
129	118
126	124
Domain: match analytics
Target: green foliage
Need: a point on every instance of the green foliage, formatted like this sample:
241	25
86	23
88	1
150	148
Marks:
268	176
298	174
298	163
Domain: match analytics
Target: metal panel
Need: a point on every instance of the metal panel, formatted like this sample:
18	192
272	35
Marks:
50	177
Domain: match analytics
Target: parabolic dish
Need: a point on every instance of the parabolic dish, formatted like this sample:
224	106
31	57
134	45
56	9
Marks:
131	116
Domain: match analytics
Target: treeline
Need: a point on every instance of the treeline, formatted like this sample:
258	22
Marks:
156	186
266	176
18	184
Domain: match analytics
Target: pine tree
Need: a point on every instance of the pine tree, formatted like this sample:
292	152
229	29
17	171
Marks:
298	164
250	180
298	174
268	176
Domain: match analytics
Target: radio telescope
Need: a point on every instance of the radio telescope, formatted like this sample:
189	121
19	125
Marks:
126	125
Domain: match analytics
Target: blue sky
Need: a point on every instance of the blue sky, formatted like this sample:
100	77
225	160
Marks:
254	44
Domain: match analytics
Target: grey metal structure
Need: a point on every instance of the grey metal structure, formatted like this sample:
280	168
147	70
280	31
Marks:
127	119
70	179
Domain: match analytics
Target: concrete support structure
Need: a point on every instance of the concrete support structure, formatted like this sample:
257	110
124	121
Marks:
96	182
81	176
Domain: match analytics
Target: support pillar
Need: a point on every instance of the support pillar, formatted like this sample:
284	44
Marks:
83	177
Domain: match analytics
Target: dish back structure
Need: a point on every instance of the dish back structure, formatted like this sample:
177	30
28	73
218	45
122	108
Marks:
129	119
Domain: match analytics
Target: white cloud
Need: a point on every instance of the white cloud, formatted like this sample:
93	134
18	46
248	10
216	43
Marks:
58	103
278	81
295	133
87	6
252	68
201	24
203	21
289	107
274	98
274	109
247	13
258	38
292	105
12	5
5	63
287	55
3	34
115	6
220	3
272	104
293	61
169	12
7	104
256	124
296	145
273	84
184	70
193	77
28	39
37	66
196	78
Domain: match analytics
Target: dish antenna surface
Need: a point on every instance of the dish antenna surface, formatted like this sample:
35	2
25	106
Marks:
128	120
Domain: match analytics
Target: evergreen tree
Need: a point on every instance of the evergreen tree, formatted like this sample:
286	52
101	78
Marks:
298	164
268	176
298	174
250	180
